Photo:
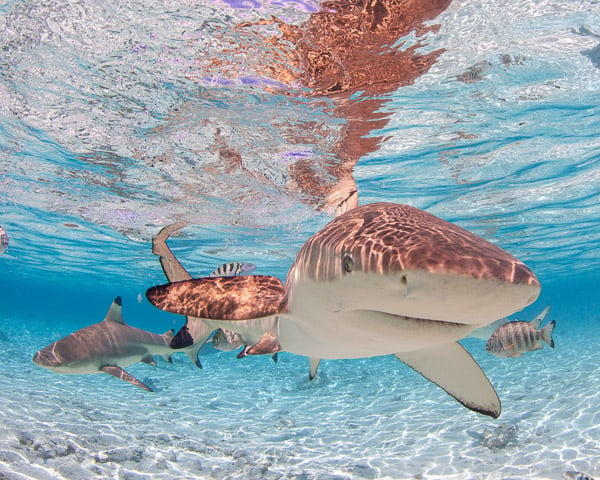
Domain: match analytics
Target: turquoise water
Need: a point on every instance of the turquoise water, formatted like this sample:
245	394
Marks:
118	119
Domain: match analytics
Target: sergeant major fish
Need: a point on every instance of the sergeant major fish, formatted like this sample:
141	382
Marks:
232	269
484	333
515	338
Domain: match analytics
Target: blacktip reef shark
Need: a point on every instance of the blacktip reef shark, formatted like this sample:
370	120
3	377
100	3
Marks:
380	279
106	347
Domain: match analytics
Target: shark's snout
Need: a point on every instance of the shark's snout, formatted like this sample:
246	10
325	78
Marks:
46	358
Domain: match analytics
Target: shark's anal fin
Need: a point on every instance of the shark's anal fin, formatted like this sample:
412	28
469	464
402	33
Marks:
313	366
453	369
123	375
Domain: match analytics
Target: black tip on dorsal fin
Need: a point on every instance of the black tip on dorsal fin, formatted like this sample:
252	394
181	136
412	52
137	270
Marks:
119	301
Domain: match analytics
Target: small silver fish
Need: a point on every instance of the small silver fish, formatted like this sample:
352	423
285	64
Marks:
514	338
573	475
3	240
232	269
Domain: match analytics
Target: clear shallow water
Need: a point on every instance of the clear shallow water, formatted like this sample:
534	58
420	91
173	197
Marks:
114	123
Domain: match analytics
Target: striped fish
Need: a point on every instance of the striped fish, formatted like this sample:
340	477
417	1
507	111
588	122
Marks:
515	338
232	269
3	241
573	475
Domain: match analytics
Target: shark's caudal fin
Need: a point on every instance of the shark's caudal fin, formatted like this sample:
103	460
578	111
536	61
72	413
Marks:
172	269
221	298
453	369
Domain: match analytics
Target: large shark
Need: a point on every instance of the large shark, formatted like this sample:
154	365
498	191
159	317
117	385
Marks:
380	279
106	347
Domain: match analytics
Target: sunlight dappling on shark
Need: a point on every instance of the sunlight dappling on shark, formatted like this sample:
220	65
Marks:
380	279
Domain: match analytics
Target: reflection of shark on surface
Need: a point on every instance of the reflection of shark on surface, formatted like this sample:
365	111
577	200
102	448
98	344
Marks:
484	333
106	347
380	279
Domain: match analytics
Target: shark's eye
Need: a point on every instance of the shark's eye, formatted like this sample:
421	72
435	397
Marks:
347	262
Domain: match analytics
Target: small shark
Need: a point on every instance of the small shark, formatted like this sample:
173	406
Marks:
107	346
379	279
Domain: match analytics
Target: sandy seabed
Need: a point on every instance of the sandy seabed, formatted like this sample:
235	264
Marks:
256	419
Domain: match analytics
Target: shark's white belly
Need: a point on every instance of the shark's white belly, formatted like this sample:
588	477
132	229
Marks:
362	333
123	359
362	314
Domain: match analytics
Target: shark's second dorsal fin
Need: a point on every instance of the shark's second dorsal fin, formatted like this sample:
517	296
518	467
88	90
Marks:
114	312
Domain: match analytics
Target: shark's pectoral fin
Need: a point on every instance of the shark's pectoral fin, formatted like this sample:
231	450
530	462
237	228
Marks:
123	375
221	298
313	366
453	369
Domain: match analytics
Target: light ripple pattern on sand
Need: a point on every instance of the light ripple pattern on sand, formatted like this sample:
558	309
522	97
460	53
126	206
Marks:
232	420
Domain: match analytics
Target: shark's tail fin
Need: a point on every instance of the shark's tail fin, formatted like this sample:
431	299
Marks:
190	338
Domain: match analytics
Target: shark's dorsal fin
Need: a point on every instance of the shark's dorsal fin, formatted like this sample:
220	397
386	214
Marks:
114	312
221	298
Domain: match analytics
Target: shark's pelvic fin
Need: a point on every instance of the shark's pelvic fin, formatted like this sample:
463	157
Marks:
313	367
453	369
267	344
118	372
115	312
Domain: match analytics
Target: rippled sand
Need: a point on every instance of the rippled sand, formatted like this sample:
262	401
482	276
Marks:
254	419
